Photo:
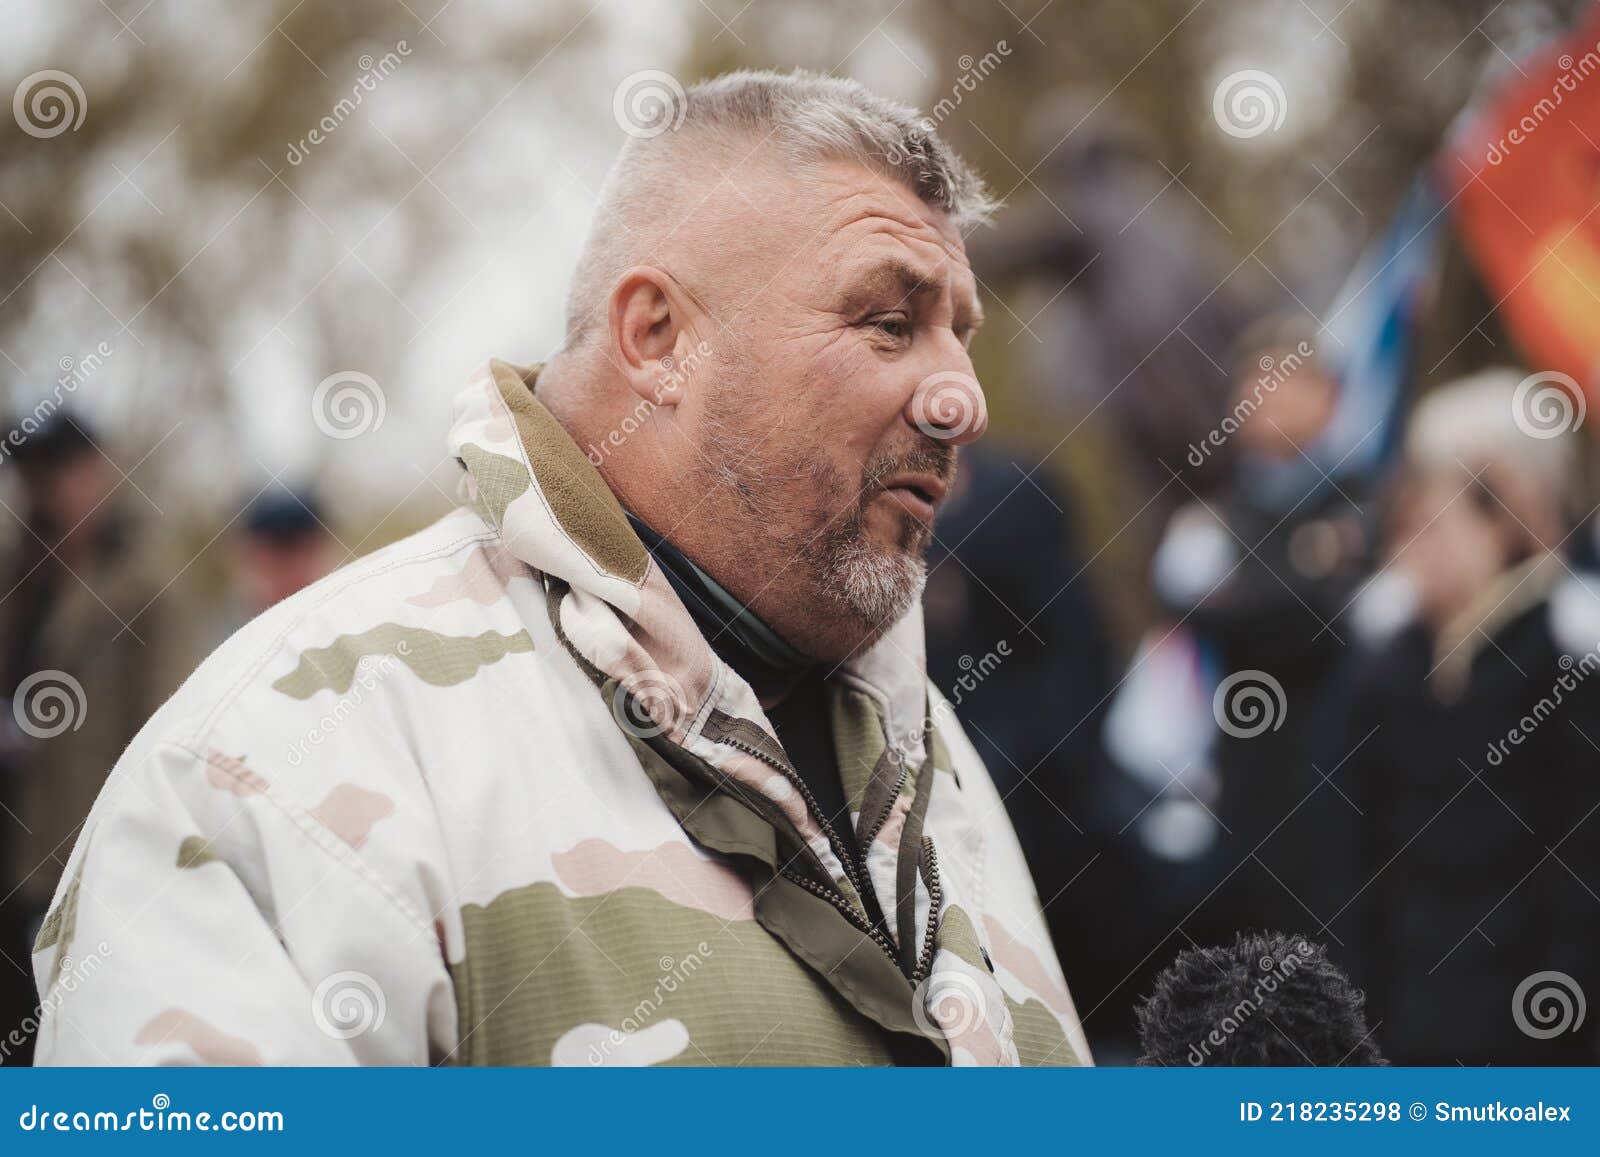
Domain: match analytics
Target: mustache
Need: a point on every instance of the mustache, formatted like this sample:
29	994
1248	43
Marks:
926	456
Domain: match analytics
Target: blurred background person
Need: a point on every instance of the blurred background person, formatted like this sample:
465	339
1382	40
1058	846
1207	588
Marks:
1210	731
1471	725
89	650
282	546
1261	573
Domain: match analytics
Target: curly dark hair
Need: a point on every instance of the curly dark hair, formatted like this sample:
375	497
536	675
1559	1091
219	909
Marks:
1267	999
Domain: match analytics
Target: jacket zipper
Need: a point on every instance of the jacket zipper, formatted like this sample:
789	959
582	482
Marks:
846	861
894	796
858	921
935	903
856	875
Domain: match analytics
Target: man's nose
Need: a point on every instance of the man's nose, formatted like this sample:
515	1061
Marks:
948	406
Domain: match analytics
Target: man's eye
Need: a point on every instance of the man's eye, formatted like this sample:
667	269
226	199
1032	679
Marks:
891	325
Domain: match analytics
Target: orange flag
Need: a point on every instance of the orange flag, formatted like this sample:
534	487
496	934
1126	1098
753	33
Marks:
1525	168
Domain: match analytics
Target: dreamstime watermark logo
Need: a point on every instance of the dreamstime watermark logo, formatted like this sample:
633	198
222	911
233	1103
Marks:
370	671
649	103
1276	972
949	1004
74	373
372	71
1274	372
348	404
1248	703
1548	1004
972	73
675	374
49	103
1249	103
674	973
1572	73
1548	404
947	405
648	703
49	703
973	673
69	973
160	1117
1573	673
348	1004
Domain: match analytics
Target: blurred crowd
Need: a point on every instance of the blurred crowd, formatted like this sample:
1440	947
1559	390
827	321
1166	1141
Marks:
1362	713
97	627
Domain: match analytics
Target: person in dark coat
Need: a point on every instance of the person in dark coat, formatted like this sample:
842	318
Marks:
1474	720
1261	574
93	636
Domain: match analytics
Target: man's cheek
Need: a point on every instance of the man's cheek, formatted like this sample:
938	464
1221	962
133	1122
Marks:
823	363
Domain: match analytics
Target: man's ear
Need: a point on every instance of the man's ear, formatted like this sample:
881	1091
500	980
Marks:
649	313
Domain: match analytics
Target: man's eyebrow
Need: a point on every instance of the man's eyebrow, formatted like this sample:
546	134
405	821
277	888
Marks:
899	281
892	280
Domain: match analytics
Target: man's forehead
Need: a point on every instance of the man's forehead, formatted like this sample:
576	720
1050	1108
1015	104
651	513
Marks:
856	201
811	205
873	229
831	222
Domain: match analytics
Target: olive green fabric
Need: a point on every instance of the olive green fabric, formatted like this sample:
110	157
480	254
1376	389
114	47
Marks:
1038	1035
539	963
60	924
500	481
583	504
716	819
813	928
956	934
867	765
440	660
195	851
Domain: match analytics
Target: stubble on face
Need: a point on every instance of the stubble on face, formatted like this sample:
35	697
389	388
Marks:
813	521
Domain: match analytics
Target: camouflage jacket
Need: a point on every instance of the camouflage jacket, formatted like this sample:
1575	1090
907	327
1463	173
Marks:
487	796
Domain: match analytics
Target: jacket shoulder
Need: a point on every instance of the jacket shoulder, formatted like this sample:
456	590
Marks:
425	612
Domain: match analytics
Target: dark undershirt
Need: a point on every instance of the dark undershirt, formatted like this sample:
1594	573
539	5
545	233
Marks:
800	717
806	733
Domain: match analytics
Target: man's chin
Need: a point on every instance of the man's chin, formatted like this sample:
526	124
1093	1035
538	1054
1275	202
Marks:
855	597
878	586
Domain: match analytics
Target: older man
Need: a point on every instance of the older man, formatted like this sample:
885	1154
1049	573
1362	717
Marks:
632	759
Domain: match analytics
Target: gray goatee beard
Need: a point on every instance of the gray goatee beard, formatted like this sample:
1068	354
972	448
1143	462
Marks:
871	584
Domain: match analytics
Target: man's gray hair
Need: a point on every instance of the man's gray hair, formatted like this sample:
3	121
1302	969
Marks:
808	117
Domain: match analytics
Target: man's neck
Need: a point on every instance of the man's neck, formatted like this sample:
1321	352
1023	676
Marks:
738	636
567	389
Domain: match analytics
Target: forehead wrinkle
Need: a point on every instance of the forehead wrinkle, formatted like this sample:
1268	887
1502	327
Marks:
882	207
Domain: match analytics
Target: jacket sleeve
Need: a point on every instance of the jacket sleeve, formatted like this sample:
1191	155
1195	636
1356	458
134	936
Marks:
205	919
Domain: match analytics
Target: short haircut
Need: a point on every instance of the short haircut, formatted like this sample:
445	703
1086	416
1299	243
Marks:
809	118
